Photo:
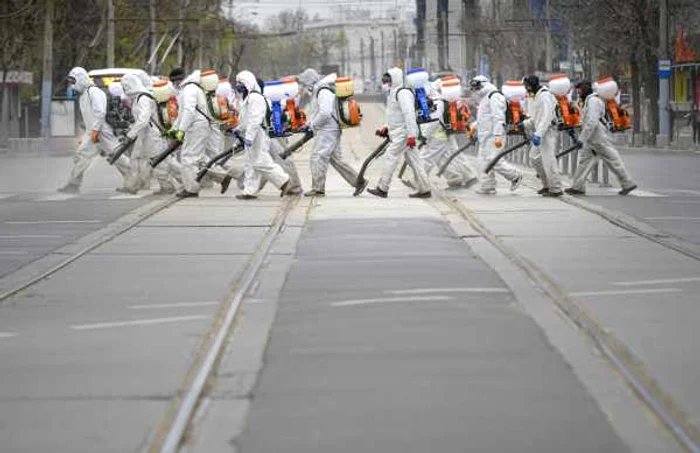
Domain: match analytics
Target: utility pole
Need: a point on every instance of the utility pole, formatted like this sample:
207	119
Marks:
372	61
664	136
110	33
47	70
362	59
152	36
548	39
383	51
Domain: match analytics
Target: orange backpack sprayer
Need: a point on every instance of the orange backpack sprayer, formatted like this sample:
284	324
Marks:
568	115
348	107
164	94
617	119
514	93
457	114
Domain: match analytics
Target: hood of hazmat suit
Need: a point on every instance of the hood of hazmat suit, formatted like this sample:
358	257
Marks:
81	78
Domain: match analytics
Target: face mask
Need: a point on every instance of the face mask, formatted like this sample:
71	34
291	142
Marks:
386	87
241	91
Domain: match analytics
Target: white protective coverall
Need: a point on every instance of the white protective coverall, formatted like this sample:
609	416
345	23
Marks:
325	122
401	121
168	172
597	145
542	123
440	146
490	126
143	110
260	164
93	109
195	124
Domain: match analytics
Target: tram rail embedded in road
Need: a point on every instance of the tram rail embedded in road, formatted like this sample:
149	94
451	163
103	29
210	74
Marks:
171	431
619	356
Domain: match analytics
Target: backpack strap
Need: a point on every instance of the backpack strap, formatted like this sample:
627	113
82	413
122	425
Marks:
337	104
266	121
405	88
496	92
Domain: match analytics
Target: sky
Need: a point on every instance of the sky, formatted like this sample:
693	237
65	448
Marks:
258	10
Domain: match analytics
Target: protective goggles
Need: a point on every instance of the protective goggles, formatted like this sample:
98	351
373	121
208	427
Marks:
240	88
475	85
70	80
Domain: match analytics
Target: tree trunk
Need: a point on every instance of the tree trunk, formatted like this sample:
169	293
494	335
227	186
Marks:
651	85
636	93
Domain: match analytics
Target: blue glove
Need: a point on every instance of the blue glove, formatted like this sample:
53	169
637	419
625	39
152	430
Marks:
247	143
536	140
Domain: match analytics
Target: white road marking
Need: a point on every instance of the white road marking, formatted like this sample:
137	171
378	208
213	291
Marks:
7	335
623	292
173	305
31	236
688	191
137	322
48	222
6	195
448	290
673	218
350	303
635	193
660	281
643	194
56	197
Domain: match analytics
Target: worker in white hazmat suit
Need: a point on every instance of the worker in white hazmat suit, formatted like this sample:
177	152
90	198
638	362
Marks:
596	144
402	130
325	124
544	136
256	140
193	129
99	137
143	110
440	146
490	130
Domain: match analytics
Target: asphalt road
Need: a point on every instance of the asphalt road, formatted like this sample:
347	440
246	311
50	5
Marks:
35	219
670	186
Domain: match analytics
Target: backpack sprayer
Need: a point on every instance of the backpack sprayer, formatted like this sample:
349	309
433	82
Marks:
617	119
283	121
456	115
514	92
416	79
348	107
568	115
216	102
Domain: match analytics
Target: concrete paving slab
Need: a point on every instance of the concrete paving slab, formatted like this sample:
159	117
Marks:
194	215
186	241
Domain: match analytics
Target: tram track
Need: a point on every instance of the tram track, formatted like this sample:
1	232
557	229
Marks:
618	355
115	230
172	429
